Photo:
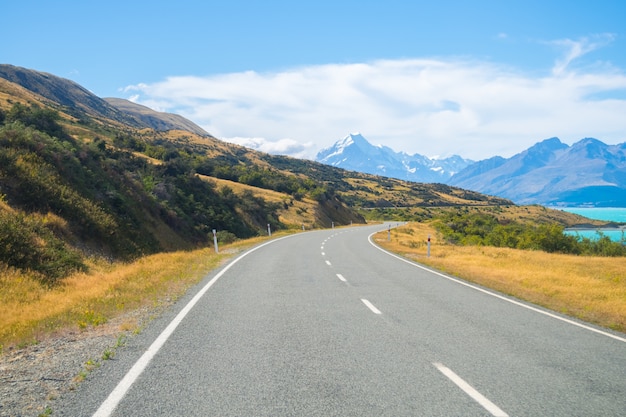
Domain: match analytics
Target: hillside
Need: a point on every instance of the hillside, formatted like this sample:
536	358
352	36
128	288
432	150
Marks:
80	177
59	92
156	120
78	101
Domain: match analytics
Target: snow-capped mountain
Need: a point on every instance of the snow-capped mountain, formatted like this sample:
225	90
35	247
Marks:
552	173
355	153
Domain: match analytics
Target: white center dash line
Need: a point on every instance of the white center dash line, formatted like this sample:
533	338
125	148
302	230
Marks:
341	277
469	390
371	306
328	263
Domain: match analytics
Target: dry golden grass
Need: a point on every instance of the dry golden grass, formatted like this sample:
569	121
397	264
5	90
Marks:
29	310
590	288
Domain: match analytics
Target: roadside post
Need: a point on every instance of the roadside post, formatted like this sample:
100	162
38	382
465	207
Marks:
269	230
215	241
428	251
389	234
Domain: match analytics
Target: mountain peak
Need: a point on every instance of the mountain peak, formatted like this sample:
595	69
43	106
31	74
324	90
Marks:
592	148
354	152
546	146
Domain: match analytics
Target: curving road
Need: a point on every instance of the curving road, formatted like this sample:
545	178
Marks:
326	324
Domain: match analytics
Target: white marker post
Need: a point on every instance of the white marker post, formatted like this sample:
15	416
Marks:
389	234
428	251
215	241
269	230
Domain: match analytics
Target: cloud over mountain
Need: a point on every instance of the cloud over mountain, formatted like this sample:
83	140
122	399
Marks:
430	106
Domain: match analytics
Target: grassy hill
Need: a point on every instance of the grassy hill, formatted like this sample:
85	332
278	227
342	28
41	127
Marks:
81	177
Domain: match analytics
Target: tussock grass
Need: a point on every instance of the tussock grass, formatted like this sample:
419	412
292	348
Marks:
590	288
30	310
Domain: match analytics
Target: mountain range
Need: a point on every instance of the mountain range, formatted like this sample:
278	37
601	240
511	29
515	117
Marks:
355	153
588	173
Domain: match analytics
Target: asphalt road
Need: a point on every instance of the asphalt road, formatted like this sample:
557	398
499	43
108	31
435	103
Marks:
326	324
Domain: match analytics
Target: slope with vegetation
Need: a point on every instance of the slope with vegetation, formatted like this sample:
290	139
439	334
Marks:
123	196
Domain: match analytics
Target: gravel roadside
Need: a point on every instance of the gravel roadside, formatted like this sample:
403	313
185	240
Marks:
31	378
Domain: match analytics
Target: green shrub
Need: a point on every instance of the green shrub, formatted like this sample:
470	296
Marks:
225	237
25	243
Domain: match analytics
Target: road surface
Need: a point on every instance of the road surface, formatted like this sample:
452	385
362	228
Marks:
326	324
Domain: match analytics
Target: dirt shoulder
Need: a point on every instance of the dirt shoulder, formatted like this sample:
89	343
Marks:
32	377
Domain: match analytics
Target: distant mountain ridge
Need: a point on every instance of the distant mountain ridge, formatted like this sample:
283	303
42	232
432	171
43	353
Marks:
355	153
73	96
550	172
588	173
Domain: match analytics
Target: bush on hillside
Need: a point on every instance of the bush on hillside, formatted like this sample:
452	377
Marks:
25	243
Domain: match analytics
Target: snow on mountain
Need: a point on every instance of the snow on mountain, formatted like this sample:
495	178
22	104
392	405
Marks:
550	172
355	153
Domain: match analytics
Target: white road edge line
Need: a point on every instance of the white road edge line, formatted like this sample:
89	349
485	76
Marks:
493	294
371	306
114	398
469	390
341	277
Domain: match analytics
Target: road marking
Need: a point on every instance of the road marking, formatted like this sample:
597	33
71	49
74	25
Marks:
328	263
341	277
371	306
114	398
493	294
323	253
469	390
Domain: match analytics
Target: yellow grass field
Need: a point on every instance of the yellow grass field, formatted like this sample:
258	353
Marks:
590	288
29	311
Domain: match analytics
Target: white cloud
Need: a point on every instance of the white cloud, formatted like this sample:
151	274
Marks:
576	49
284	146
428	106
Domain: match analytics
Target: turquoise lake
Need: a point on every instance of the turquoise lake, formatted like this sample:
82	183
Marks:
616	214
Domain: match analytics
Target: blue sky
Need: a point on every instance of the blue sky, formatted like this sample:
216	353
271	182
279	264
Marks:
474	78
